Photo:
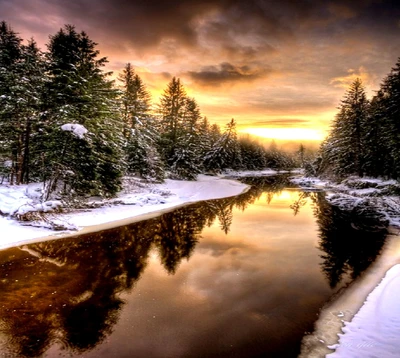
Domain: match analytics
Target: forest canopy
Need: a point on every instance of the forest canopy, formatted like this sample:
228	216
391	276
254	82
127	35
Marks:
364	139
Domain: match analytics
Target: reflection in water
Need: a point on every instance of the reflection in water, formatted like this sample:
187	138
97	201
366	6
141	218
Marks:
350	242
67	292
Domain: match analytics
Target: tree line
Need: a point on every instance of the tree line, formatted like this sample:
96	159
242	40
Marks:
65	122
364	139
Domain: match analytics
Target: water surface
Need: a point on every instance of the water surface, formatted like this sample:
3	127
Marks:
239	277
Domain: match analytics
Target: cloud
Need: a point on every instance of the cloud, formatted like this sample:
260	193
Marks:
226	73
362	73
289	122
281	58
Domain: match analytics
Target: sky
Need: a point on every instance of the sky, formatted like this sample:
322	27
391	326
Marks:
279	67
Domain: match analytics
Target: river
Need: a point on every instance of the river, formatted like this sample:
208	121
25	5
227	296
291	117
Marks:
245	276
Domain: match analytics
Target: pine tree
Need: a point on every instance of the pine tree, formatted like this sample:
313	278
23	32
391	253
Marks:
344	149
22	77
390	120
378	160
180	133
135	98
252	154
225	153
142	156
186	162
79	92
172	107
10	56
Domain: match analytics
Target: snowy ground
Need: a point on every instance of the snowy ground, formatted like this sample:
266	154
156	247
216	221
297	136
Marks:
358	193
374	331
134	201
259	173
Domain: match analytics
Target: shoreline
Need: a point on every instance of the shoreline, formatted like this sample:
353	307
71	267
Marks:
351	324
180	194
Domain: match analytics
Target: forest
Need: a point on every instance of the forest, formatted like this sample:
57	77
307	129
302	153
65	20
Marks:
364	139
66	123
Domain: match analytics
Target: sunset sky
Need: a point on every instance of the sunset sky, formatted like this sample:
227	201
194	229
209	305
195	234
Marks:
278	67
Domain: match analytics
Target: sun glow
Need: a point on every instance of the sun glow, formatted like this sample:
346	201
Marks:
287	133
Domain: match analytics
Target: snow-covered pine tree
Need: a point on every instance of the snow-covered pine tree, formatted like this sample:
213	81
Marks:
142	157
378	160
21	76
390	119
172	107
225	152
33	69
344	149
10	57
80	93
186	162
205	140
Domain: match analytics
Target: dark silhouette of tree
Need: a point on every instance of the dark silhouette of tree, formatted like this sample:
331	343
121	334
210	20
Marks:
351	241
344	149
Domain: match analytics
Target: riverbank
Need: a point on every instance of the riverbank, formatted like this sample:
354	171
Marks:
369	329
52	219
360	194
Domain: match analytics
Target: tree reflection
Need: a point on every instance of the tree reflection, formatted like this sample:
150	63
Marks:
67	292
350	240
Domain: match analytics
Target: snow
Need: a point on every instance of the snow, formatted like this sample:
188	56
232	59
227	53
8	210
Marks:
259	173
131	204
375	329
355	192
77	130
171	193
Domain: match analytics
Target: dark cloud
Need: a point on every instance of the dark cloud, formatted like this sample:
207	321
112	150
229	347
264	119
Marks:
289	51
226	73
146	23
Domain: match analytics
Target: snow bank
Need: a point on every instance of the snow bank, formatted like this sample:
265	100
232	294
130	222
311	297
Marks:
151	199
375	329
259	173
171	193
381	195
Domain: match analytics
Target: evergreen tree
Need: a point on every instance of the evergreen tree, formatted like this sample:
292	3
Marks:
377	156
10	57
389	118
135	97
142	156
252	153
186	163
344	149
79	92
22	77
172	108
180	133
225	153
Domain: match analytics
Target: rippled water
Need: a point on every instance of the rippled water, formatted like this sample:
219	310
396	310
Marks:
239	277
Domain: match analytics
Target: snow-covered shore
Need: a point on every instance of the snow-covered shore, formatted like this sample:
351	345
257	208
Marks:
374	331
131	204
359	193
